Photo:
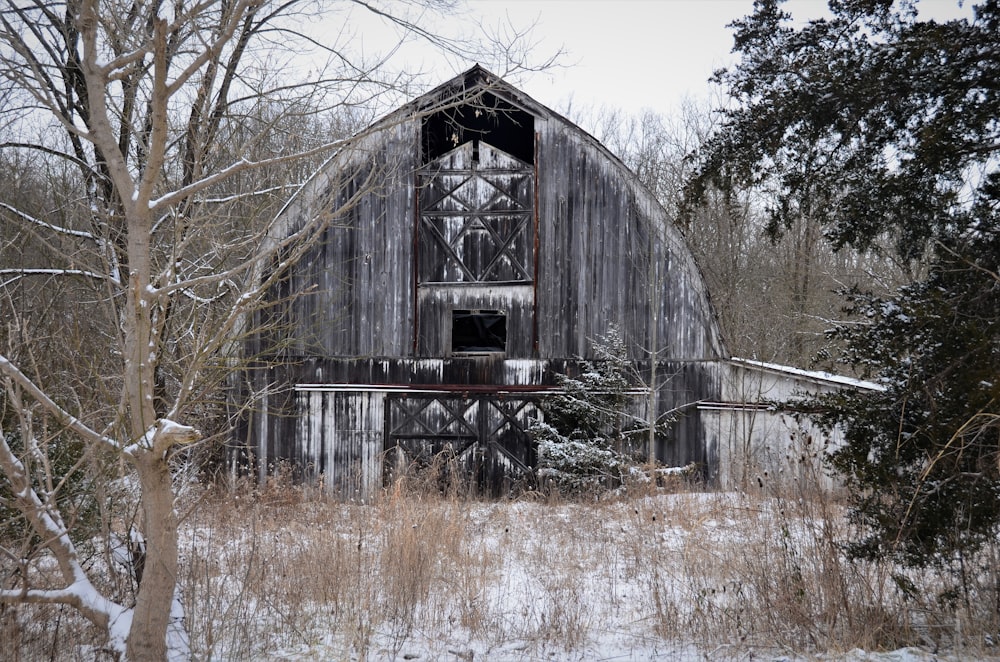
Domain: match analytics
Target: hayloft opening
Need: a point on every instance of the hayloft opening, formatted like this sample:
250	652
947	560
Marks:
478	331
488	118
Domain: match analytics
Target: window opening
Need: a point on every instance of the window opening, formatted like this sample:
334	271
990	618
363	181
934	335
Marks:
478	331
476	218
488	118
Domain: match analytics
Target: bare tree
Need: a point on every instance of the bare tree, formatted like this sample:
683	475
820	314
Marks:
142	132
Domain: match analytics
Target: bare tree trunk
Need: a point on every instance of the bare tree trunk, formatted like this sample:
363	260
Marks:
803	250
148	636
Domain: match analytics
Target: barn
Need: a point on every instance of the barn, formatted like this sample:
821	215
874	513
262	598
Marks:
475	244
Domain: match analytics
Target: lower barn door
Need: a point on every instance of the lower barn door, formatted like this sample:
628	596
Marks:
444	442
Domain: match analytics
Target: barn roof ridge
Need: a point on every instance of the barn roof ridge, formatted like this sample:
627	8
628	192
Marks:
811	375
464	85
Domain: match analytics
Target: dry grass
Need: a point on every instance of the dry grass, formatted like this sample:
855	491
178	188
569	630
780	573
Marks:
283	572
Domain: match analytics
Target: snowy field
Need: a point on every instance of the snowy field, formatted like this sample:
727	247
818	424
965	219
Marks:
283	574
685	576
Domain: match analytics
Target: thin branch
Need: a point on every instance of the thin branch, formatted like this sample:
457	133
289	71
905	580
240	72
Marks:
37	221
241	196
212	51
242	165
61	415
47	523
21	273
992	274
51	151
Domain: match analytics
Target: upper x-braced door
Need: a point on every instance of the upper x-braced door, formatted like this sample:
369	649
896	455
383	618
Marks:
476	210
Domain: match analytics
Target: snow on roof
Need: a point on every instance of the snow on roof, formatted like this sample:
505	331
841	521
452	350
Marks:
810	374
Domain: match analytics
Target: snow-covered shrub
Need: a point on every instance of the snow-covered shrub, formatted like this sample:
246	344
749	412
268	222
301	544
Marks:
583	438
576	465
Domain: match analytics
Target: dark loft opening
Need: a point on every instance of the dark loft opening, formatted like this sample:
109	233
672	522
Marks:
488	118
474	331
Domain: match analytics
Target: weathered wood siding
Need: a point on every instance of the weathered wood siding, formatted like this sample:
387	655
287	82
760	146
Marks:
564	247
340	439
436	303
598	231
762	448
760	444
681	386
353	293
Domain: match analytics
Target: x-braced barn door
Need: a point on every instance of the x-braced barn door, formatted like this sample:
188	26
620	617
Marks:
476	206
481	441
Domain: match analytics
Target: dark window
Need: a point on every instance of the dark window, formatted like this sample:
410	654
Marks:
475	331
488	118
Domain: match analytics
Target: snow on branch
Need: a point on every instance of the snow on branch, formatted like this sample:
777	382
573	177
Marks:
163	435
298	241
242	165
238	196
21	273
47	523
37	221
57	412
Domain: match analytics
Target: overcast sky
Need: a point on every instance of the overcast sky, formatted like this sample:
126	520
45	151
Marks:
629	54
626	54
637	54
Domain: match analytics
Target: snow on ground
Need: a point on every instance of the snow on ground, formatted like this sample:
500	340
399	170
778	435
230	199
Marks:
679	577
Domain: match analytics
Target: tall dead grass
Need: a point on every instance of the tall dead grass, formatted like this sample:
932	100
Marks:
281	571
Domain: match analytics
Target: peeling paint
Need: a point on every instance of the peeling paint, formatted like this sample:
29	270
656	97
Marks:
524	371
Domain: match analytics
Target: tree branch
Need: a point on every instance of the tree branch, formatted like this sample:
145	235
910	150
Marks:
21	273
37	221
46	522
63	417
243	165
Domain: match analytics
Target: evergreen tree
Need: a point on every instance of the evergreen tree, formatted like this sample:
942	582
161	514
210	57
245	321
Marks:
883	127
921	456
583	439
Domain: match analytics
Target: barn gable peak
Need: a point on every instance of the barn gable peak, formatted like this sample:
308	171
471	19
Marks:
468	85
475	106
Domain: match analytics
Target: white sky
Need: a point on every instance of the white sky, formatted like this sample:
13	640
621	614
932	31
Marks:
624	54
628	54
642	54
